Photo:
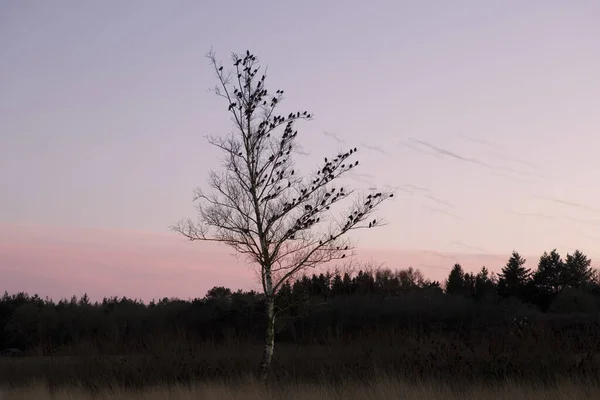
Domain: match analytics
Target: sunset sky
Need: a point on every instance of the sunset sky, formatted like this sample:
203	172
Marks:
483	114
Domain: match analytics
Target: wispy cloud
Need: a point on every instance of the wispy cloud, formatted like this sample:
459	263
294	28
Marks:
448	153
360	177
498	149
374	148
438	201
590	236
481	250
532	214
442	211
585	221
404	189
299	150
480	141
510	178
431	266
521	172
426	193
567	203
522	162
417	149
438	254
417	188
334	137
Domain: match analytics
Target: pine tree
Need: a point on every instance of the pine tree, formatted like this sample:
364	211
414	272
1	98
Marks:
455	284
548	277
514	277
577	270
483	283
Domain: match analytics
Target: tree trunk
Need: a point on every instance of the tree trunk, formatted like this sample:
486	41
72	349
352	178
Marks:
265	363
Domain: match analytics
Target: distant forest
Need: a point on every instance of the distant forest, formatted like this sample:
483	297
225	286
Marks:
320	308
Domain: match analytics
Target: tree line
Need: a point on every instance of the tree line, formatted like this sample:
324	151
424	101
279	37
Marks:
310	307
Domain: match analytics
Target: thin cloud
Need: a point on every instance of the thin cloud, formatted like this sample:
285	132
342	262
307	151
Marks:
466	246
412	189
438	254
589	236
361	175
362	178
567	203
510	178
534	174
438	201
532	214
449	153
415	148
374	148
526	163
417	188
445	212
434	267
480	141
401	188
404	189
496	147
393	188
334	136
586	221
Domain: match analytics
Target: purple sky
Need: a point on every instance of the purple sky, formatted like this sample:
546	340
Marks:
484	114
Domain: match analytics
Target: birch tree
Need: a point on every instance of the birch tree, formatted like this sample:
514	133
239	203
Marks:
260	205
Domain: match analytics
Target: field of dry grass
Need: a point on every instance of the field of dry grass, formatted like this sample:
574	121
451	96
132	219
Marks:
369	368
382	388
381	363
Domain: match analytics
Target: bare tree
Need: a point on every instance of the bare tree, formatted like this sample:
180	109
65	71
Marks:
259	205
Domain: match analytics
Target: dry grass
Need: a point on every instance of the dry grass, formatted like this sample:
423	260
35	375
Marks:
409	360
383	388
380	364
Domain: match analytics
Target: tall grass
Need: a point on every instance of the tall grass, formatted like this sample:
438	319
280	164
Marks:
377	362
381	388
542	357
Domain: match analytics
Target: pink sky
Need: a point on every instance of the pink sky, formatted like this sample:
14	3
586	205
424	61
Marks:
484	115
60	262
